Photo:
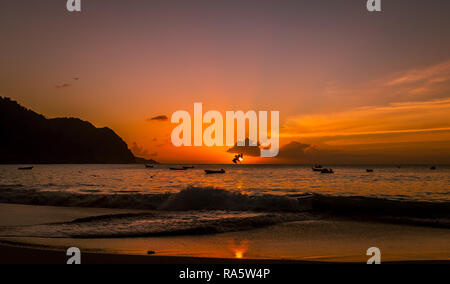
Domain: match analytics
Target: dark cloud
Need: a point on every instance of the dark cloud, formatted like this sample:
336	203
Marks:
159	118
252	151
139	151
300	153
65	85
295	151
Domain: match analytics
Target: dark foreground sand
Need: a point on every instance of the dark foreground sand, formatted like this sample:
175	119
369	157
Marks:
305	242
20	255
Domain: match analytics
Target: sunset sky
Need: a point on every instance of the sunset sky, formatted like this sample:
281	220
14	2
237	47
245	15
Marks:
351	86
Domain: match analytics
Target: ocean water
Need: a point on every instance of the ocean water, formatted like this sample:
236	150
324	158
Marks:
245	198
414	183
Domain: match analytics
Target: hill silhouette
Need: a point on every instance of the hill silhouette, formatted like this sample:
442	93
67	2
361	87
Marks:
146	161
30	138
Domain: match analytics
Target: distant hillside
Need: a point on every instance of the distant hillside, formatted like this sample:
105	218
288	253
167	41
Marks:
145	161
30	138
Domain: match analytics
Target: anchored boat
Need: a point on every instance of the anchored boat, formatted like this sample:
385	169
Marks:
210	172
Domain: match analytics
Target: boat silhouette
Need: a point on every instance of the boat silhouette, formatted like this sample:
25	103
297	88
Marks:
210	172
317	168
327	171
25	168
177	169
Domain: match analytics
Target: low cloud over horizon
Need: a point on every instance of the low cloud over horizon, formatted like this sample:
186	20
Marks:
159	118
63	86
141	152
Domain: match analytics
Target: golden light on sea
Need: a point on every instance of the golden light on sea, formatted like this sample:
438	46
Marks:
238	254
239	248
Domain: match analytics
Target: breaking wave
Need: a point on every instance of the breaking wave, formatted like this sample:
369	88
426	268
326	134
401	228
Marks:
194	199
152	225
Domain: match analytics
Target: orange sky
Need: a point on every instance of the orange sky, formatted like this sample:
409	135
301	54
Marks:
354	87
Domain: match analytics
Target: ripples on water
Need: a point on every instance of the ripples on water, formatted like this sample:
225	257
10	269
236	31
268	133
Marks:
409	183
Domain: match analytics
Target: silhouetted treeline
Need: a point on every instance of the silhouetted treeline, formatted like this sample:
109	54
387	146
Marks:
30	138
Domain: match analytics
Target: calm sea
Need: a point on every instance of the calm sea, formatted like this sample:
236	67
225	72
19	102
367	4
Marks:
244	198
418	183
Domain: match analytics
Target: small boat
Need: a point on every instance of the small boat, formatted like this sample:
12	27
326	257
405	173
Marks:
317	168
190	167
177	169
327	171
433	168
369	170
25	168
210	172
149	166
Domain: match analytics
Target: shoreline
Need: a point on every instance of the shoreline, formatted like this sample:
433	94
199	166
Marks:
320	241
10	254
13	254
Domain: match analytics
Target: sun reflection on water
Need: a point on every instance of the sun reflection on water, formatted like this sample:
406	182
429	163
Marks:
238	254
239	248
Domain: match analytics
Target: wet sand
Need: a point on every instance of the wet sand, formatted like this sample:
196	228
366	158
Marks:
21	215
21	255
315	241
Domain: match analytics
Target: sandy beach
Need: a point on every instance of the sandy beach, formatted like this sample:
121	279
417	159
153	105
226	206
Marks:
21	255
315	241
11	254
